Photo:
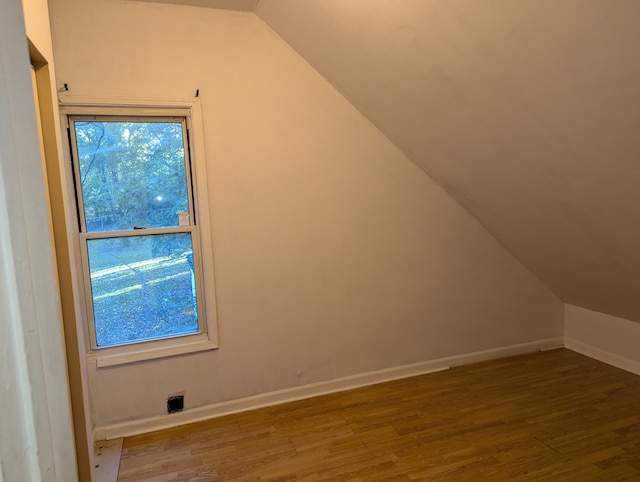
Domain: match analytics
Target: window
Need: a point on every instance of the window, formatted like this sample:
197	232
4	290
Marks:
139	238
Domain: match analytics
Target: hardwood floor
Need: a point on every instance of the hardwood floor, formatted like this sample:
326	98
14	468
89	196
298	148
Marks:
546	416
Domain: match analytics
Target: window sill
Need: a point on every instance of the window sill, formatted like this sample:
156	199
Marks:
123	355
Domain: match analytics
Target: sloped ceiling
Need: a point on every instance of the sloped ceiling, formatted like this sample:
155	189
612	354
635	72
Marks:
240	5
527	112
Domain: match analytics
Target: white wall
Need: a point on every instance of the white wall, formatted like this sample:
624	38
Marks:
36	20
607	338
36	440
334	254
36	13
495	100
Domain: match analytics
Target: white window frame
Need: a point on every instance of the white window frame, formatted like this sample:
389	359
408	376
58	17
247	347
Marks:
207	337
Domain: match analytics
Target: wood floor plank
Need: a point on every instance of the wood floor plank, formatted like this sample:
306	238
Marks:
555	415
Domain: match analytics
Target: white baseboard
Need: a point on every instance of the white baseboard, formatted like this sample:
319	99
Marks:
135	427
603	355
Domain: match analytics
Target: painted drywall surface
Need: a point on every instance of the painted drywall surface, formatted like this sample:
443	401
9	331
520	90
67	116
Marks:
240	5
36	20
36	15
604	337
526	112
36	440
334	254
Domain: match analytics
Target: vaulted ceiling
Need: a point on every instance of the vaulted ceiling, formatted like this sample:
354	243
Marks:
527	112
240	5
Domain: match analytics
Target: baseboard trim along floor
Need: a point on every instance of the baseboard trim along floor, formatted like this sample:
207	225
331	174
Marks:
604	356
135	427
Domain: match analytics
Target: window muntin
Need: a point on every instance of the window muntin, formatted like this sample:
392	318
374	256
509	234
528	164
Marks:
138	234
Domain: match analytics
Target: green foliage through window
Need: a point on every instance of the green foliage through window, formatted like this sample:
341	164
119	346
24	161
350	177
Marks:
133	181
132	174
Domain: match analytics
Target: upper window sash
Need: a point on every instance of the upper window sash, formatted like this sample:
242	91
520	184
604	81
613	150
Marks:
97	150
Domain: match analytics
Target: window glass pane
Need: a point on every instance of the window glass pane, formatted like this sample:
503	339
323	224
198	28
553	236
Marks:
143	287
132	174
